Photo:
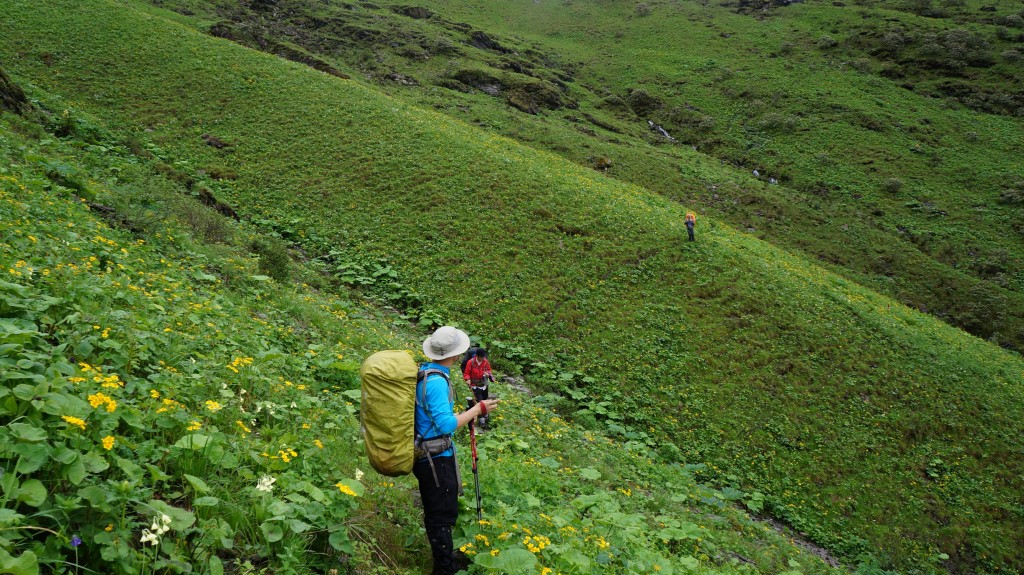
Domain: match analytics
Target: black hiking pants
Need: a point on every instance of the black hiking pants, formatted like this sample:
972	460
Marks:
440	510
480	394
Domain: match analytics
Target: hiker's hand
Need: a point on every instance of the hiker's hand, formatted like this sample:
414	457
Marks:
488	405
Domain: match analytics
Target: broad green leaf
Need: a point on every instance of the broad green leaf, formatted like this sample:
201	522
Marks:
512	561
25	564
32	457
193	441
340	542
590	473
24	391
298	526
95	462
278	508
130	468
27	431
83	349
206	502
215	566
75	471
9	517
550	462
198	484
731	494
576	559
272	531
32	492
180	519
95	495
61	454
315	492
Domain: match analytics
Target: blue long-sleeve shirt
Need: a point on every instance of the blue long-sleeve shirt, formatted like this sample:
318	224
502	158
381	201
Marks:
441	407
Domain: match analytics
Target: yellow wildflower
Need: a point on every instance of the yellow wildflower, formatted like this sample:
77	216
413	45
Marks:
74	421
345	489
242	426
100	398
194	426
212	405
108	442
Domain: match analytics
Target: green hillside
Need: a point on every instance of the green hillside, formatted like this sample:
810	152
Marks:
872	428
862	135
150	368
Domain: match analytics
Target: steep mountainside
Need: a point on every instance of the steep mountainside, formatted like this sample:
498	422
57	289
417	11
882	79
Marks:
850	132
867	425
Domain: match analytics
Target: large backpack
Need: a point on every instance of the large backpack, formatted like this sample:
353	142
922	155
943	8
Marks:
470	354
388	410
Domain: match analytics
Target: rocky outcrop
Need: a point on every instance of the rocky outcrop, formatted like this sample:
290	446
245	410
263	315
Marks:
12	97
481	40
416	12
535	96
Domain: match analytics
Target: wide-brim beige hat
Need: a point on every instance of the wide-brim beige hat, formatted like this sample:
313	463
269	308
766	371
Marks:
446	342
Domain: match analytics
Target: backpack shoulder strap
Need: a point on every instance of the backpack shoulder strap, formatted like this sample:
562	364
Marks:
422	376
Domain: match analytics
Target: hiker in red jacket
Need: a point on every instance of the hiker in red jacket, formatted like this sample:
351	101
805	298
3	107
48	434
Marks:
477	374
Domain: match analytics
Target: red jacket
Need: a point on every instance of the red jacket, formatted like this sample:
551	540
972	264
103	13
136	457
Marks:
477	369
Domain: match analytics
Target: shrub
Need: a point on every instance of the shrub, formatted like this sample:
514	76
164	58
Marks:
1013	195
274	260
643	9
1014	21
893	41
777	122
892	185
207	225
861	65
826	42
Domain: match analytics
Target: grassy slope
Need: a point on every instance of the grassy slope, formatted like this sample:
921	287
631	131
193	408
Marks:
732	68
780	375
175	310
756	93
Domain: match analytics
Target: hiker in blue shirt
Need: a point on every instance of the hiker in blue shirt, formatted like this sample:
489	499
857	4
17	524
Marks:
435	468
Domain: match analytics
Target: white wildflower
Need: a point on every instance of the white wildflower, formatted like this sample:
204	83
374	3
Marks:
359	475
266	484
149	537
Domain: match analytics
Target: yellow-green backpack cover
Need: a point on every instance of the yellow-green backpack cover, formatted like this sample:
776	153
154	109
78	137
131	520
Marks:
388	410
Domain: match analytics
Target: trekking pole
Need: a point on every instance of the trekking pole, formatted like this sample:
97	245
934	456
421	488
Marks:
470	402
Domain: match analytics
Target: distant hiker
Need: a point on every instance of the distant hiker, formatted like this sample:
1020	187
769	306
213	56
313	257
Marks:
468	356
436	471
477	373
691	220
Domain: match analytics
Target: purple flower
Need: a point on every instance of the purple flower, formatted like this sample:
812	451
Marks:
76	540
